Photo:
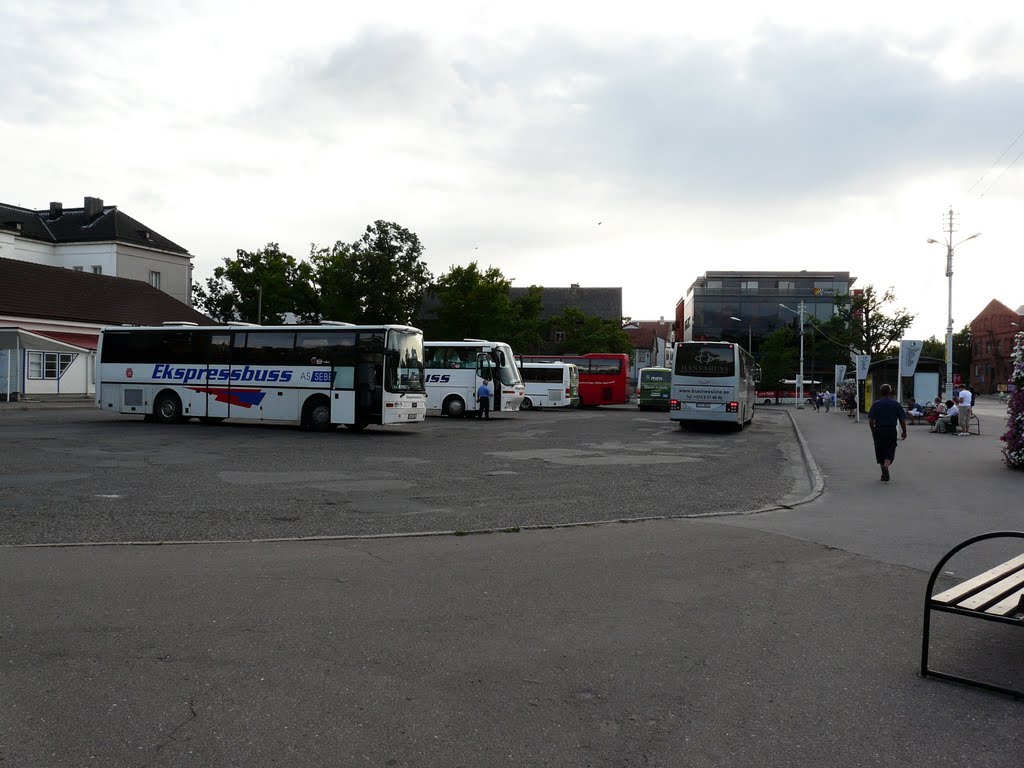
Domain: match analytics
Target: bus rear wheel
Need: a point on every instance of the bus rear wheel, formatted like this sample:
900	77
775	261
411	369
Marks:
454	407
317	414
167	408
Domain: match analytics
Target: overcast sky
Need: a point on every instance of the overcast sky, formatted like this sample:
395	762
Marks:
630	144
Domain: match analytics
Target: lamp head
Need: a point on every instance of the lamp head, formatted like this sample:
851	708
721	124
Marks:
930	240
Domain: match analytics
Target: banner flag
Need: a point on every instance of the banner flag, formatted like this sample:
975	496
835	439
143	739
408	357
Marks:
840	374
910	353
863	362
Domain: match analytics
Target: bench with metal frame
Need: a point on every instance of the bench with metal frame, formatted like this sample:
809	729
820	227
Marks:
995	595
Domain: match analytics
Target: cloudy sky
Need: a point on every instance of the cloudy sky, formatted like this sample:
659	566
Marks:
630	144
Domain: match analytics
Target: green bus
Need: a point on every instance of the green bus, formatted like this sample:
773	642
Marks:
654	386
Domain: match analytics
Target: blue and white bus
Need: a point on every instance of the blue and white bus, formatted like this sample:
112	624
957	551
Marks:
712	381
455	370
318	375
550	385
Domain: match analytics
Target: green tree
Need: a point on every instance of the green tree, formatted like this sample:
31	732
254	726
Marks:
526	334
780	357
380	278
934	347
962	348
258	286
472	304
863	324
584	333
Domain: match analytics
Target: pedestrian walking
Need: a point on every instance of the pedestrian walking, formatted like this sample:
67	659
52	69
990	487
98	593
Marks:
828	400
483	398
883	418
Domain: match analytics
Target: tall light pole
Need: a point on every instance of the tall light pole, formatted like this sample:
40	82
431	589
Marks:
800	379
750	334
950	245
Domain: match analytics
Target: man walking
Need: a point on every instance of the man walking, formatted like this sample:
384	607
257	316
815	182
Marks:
883	417
483	398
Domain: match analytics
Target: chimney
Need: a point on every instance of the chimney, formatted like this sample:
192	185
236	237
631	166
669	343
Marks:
93	207
56	210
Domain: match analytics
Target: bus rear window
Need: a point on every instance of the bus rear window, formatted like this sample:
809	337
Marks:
705	360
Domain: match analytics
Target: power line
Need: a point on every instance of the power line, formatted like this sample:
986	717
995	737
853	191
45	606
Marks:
997	178
986	173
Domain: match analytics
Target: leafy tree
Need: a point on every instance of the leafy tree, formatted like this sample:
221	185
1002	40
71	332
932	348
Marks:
780	357
389	261
472	304
258	286
527	329
589	334
962	341
863	325
934	347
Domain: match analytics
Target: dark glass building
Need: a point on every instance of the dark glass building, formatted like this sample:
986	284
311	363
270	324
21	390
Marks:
716	298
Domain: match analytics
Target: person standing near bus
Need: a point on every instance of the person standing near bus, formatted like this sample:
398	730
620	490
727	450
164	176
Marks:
964	404
483	397
883	418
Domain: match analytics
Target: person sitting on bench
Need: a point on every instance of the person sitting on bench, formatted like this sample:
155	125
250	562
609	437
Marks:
948	423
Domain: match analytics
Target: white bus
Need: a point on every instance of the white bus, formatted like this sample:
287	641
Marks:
455	369
712	381
550	385
318	375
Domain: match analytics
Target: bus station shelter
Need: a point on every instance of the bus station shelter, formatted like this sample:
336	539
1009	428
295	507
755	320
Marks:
36	363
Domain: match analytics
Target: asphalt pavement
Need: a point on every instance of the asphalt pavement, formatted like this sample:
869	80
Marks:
783	638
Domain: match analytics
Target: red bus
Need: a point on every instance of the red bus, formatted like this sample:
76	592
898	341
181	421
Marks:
604	376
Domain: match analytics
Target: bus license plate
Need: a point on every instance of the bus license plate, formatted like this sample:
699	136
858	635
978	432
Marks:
703	405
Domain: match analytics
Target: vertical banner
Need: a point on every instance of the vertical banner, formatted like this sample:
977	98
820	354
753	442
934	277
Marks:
863	363
910	353
840	375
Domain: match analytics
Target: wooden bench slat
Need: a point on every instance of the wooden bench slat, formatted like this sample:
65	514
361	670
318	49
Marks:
1010	605
979	582
993	594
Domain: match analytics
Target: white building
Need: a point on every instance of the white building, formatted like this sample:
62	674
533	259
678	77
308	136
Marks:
99	239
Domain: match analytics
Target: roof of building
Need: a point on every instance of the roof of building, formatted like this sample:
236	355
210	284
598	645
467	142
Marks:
594	302
93	222
996	307
54	293
642	333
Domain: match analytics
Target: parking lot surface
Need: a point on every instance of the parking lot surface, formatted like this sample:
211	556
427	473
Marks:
85	476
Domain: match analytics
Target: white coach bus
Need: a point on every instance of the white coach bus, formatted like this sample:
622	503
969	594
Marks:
317	375
550	385
712	381
455	369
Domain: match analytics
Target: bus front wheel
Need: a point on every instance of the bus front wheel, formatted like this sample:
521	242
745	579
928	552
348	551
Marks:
454	407
317	414
168	408
526	405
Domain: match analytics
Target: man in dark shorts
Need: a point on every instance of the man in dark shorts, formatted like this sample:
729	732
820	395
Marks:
885	414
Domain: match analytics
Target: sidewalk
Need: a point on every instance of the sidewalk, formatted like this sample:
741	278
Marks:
47	402
944	489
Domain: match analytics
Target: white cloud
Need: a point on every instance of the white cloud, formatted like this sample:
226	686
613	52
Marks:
751	137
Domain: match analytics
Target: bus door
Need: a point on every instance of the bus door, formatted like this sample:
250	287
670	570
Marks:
218	388
486	369
369	381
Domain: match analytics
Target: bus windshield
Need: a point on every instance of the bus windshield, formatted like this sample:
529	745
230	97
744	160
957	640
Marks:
508	373
705	360
405	369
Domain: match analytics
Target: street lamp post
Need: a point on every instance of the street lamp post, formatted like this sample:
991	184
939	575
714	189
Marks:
950	245
800	380
750	334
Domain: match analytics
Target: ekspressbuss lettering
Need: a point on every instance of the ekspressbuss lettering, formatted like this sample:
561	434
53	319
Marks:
185	375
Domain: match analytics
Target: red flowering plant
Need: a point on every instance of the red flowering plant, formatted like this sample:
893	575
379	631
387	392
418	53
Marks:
1013	451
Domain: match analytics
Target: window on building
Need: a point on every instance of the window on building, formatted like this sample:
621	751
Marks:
559	337
748	285
154	279
97	269
49	365
787	285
